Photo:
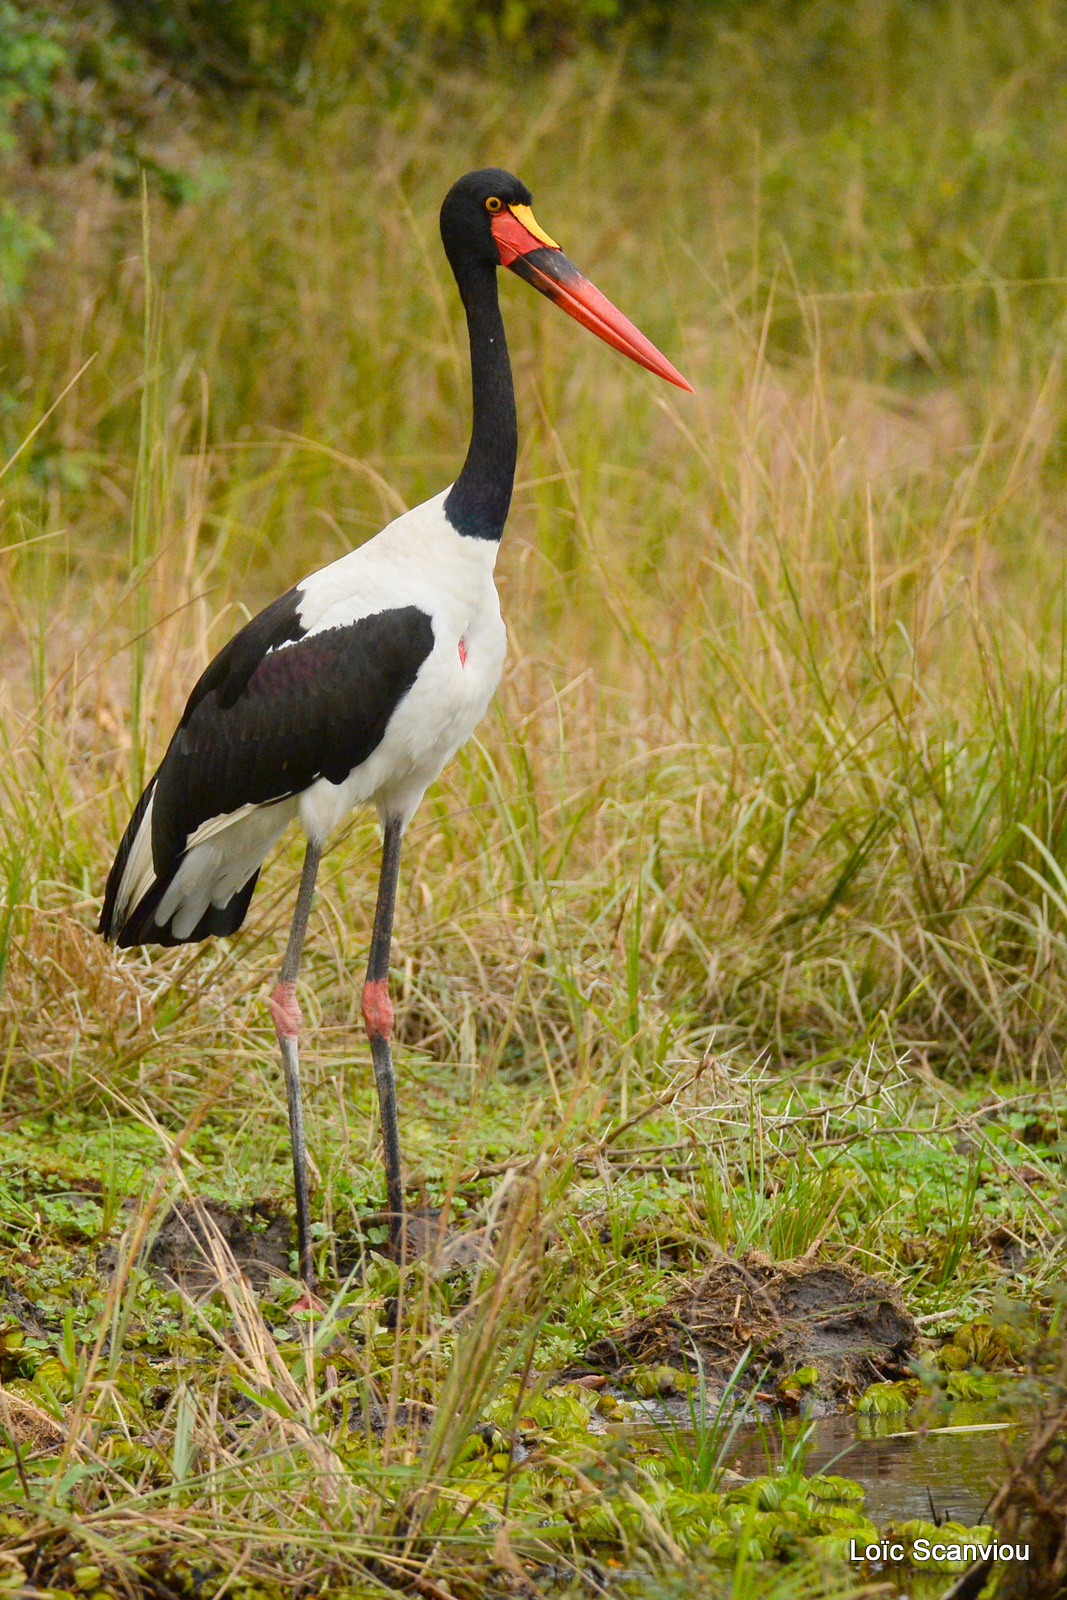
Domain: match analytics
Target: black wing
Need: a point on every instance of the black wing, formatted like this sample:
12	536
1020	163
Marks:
264	723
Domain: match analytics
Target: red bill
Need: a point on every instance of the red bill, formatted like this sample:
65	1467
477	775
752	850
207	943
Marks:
528	251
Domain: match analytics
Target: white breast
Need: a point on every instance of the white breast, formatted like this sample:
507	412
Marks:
417	560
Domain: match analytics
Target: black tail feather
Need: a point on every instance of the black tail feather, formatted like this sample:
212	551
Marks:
141	927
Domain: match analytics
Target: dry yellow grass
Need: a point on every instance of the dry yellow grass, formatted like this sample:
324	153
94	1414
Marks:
784	680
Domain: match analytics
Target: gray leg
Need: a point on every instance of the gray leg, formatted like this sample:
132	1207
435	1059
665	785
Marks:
378	1016
286	1014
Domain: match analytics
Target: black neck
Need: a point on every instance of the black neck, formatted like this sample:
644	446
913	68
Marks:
477	504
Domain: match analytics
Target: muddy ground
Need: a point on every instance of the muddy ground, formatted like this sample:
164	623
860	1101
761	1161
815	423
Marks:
852	1329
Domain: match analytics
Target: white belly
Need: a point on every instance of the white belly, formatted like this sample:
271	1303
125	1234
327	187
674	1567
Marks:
449	698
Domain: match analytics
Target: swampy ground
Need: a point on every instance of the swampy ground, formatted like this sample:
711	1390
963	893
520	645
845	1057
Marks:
740	932
479	1418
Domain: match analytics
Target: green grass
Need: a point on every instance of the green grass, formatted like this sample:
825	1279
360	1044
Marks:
759	850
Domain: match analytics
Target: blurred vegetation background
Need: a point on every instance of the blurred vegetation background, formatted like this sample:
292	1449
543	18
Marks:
780	760
87	77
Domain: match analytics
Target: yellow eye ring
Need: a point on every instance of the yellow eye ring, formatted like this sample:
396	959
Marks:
493	204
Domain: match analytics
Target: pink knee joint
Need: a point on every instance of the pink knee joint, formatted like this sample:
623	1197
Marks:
377	1009
285	1011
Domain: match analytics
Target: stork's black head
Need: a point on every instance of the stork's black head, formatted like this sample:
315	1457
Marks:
486	222
468	211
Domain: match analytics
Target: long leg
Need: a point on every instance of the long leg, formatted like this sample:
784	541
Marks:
378	1016
286	1014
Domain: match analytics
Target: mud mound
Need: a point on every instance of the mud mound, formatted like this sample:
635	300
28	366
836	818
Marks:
853	1329
258	1240
16	1310
428	1234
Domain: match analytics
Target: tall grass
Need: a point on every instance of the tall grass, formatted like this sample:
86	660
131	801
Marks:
780	751
304	1486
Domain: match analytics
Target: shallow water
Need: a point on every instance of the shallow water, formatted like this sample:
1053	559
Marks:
948	1473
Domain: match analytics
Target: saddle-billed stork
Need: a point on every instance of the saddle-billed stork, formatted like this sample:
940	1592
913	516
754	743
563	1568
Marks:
359	684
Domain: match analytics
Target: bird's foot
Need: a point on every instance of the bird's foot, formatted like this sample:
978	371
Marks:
377	1009
285	1011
